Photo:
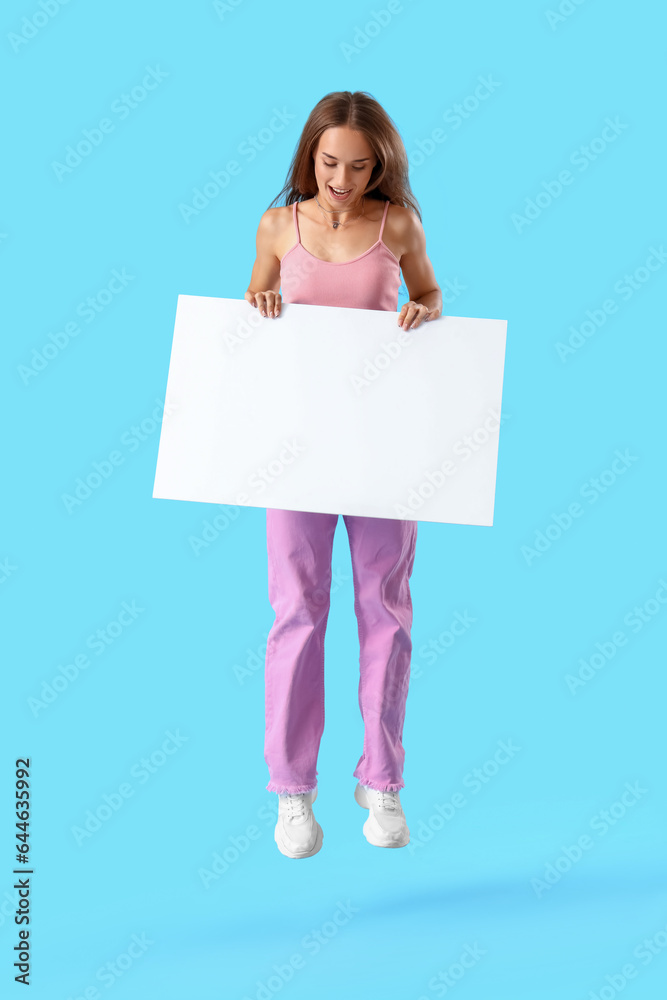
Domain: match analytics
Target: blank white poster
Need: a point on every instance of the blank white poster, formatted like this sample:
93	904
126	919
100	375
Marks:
332	410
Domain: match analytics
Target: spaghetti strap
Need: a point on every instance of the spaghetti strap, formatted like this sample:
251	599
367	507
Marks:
384	216
296	225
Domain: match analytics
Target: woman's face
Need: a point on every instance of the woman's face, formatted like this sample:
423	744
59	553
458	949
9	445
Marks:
343	159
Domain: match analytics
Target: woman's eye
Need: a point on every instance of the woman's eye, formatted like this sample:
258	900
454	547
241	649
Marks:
333	165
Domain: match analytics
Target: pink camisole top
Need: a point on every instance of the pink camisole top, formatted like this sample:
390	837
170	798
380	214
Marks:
369	281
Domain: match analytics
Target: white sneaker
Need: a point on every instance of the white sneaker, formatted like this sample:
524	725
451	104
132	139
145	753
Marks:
297	833
386	825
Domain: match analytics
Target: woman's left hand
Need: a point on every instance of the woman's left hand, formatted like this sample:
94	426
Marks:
412	314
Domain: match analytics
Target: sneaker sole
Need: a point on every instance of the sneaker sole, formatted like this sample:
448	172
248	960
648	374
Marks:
282	847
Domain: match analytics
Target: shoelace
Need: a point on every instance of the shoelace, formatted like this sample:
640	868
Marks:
386	801
296	807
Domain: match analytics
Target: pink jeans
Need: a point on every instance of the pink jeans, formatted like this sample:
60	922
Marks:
299	547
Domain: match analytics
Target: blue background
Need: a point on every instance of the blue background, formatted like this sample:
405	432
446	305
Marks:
390	923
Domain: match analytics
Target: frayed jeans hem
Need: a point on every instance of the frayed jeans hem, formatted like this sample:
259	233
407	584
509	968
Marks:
299	790
396	786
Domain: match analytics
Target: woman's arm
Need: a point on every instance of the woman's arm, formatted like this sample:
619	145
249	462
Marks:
264	289
425	294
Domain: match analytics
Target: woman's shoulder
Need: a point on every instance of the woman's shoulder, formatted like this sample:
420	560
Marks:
273	229
402	218
274	219
400	228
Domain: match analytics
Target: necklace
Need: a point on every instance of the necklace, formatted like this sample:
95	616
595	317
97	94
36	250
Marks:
337	224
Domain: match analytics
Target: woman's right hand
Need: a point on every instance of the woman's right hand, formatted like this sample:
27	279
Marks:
267	302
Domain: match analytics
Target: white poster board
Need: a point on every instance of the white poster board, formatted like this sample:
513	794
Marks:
332	410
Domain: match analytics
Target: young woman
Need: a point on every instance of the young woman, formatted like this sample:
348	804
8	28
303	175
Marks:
349	226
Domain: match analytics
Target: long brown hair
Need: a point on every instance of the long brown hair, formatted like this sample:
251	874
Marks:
362	113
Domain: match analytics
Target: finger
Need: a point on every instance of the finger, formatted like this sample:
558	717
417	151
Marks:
410	317
402	316
273	303
420	316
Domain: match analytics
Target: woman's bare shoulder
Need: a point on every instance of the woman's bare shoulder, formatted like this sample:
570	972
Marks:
274	219
404	219
273	228
401	227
